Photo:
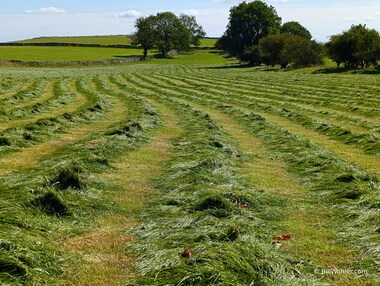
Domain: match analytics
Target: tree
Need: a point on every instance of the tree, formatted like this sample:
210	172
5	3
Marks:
270	49
248	23
196	30
165	31
145	35
295	28
170	33
359	46
367	44
287	49
301	52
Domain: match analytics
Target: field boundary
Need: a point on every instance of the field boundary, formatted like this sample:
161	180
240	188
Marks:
67	63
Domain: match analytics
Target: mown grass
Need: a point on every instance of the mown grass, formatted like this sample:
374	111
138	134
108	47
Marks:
54	200
200	212
71	191
343	198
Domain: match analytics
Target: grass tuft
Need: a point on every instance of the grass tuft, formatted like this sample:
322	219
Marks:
51	204
11	268
131	129
216	205
68	177
4	141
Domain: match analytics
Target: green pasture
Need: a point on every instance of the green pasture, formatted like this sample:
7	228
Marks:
32	53
208	42
70	54
99	40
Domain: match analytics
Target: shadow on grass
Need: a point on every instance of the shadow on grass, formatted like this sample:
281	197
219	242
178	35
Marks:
127	57
231	66
346	70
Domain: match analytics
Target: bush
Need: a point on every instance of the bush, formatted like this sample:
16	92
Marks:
356	47
287	49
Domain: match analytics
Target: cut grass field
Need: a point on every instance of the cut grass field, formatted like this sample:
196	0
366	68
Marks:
188	171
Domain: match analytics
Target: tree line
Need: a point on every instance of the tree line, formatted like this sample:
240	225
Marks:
357	47
255	35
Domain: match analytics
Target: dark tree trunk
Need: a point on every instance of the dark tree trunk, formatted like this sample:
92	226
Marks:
164	53
145	53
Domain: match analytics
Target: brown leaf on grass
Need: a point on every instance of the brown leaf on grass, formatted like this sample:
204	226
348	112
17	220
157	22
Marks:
187	253
283	237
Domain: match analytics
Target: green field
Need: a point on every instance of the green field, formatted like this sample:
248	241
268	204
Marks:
208	42
187	171
31	53
74	54
99	40
87	54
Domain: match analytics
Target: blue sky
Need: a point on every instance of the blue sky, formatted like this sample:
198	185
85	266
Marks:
34	18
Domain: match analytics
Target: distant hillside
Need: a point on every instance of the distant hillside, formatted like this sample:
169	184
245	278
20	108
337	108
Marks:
86	40
97	40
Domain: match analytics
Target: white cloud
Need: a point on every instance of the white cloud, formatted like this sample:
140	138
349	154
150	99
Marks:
47	10
129	14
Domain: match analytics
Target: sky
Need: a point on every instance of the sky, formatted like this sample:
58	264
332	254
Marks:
23	19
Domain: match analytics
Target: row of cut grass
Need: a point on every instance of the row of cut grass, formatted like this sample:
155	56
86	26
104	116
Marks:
326	239
255	93
71	102
32	131
366	190
346	152
10	87
313	237
82	153
131	175
196	211
367	142
278	94
24	94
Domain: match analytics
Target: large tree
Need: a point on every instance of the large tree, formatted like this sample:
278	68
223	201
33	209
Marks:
171	33
295	28
248	23
196	30
145	35
165	31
